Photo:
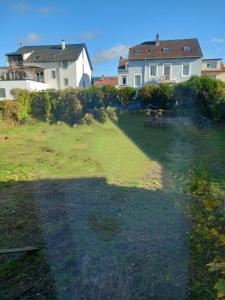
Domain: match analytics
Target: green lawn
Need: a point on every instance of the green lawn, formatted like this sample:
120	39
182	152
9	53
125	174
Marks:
107	205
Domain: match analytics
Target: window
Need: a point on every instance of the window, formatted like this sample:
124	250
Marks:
166	49
66	81
153	70
124	80
2	93
167	71
187	48
53	74
137	80
186	70
212	65
138	50
65	64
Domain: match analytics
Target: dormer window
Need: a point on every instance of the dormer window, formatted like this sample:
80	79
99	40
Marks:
187	48
138	50
166	49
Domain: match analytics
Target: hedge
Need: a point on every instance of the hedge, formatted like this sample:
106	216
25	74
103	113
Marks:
205	94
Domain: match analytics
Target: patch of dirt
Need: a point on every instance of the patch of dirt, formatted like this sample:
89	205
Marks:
152	174
4	138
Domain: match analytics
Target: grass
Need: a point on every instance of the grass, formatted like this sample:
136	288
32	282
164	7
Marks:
107	204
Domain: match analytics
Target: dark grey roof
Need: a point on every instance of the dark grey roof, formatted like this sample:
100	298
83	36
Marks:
206	59
52	53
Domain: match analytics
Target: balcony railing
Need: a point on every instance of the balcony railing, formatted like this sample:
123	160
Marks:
22	73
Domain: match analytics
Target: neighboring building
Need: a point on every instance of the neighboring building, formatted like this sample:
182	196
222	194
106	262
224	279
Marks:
160	61
46	67
106	81
213	68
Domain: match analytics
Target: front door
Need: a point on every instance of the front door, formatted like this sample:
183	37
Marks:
167	72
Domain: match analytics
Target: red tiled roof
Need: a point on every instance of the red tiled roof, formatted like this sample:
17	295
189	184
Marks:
166	49
122	63
106	81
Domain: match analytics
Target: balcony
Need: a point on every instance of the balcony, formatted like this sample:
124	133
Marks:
22	73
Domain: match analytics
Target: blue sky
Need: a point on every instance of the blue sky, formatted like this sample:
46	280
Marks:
110	27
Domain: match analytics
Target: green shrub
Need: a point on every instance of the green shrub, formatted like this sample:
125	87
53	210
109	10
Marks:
146	94
164	96
110	95
94	97
111	112
9	110
100	115
23	99
126	95
210	96
89	119
67	109
40	105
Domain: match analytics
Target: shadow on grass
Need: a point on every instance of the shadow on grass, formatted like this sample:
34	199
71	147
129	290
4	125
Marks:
98	241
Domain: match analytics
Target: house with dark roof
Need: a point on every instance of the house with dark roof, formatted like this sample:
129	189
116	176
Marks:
159	61
46	67
213	68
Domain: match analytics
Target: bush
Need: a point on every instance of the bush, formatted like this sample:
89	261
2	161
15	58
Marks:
67	108
146	94
110	95
9	110
100	115
40	105
210	96
89	119
164	96
23	99
111	112
126	95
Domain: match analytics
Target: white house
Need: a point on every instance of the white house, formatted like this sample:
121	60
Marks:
160	61
214	68
46	67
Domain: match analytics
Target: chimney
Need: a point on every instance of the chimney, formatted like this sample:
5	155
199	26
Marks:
21	45
63	45
157	40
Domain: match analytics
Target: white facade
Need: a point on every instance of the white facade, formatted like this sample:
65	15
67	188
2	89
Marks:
73	72
155	71
7	85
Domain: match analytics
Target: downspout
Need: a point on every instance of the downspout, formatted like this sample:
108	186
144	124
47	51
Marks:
145	73
59	81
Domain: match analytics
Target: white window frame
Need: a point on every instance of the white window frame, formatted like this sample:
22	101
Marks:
137	86
123	76
184	64
171	69
67	82
157	70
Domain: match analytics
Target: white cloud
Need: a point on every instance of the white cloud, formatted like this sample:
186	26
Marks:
89	35
21	7
110	54
218	40
46	10
32	37
24	7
